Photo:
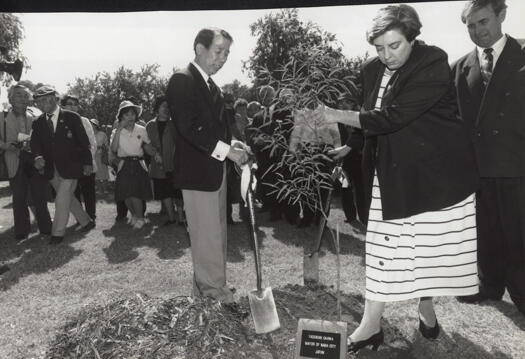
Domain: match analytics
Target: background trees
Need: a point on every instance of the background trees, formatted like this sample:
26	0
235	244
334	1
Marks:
100	96
11	35
280	35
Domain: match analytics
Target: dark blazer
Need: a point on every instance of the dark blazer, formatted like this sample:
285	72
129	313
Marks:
67	149
495	118
200	125
424	159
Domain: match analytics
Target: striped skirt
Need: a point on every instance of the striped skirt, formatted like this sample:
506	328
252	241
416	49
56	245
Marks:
425	255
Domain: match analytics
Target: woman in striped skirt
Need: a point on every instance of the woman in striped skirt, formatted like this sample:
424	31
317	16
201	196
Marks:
421	236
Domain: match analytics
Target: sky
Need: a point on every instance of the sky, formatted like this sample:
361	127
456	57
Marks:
62	46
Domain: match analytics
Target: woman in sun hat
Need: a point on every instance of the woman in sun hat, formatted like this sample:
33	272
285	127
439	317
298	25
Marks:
129	141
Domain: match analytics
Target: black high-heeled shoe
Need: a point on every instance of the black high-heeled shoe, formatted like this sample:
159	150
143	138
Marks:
375	341
429	332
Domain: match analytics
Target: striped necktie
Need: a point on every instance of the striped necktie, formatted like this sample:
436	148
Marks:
486	67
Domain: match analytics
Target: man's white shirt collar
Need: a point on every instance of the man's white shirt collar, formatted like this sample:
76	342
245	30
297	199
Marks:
497	48
204	75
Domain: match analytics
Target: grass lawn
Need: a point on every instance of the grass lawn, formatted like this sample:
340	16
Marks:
49	284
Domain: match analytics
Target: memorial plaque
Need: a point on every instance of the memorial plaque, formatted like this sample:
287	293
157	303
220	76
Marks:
320	339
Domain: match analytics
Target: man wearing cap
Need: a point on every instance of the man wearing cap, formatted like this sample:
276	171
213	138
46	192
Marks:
86	184
29	188
61	147
203	140
490	83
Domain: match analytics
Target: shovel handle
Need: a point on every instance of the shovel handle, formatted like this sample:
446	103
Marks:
249	197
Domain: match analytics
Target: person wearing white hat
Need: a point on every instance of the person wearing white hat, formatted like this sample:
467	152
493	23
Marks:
61	148
129	140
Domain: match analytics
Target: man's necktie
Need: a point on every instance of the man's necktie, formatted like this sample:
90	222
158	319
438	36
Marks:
214	90
50	123
486	67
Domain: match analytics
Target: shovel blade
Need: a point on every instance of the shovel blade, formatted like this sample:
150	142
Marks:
263	310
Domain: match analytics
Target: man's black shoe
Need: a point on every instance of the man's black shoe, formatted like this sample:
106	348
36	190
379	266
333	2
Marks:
88	227
56	239
3	269
20	237
477	298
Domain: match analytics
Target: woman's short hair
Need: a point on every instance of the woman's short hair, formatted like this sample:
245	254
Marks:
403	18
159	100
475	5
26	90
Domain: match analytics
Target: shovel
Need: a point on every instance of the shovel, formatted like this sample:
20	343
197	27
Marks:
261	300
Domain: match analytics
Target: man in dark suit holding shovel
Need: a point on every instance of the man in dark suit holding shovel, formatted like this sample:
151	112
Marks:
203	139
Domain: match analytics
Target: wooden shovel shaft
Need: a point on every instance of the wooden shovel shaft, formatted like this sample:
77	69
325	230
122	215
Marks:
249	198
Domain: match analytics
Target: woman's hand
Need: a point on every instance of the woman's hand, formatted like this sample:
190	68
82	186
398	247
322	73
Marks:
339	152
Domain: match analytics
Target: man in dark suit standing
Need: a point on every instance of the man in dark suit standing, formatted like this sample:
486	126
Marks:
490	84
61	149
203	141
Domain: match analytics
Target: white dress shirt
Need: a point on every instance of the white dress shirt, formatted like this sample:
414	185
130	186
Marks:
497	49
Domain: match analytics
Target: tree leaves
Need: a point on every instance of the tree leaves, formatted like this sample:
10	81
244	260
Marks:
101	95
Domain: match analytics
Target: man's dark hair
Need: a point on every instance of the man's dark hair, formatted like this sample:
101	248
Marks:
474	5
205	37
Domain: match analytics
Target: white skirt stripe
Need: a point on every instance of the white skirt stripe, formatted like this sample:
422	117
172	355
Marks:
428	254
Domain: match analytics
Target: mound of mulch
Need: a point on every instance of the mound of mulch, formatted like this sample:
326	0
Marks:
185	327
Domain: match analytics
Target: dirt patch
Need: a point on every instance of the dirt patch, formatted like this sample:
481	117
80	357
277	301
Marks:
185	327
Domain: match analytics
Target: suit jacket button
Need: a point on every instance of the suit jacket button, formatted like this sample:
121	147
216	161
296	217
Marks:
381	263
394	165
507	94
495	132
478	134
386	238
501	114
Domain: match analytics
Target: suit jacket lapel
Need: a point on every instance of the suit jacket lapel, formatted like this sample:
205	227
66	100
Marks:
377	72
45	125
201	84
506	65
60	123
472	73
